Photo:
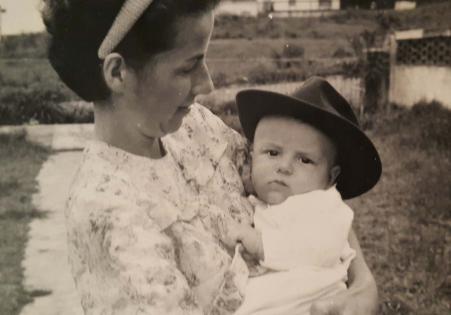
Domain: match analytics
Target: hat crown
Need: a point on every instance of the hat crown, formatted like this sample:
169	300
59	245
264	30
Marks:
319	93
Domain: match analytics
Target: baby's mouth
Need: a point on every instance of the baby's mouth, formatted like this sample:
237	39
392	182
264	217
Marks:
278	182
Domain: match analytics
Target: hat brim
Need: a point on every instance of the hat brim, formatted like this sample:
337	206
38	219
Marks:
359	160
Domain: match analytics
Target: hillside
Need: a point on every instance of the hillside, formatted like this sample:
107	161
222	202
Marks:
345	25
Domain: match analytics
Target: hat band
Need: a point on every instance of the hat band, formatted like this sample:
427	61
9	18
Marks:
129	13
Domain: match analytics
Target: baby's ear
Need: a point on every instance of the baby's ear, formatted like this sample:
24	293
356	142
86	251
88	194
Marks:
333	174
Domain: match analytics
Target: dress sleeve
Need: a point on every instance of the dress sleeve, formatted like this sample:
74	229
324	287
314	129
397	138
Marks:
123	263
239	148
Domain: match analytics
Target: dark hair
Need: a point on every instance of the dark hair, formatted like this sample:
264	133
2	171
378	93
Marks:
77	28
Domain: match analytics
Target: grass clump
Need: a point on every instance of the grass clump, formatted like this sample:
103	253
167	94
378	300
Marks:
404	222
19	165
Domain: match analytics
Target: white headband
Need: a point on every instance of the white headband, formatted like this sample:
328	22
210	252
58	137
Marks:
130	12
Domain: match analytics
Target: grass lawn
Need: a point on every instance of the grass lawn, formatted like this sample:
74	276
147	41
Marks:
404	224
19	165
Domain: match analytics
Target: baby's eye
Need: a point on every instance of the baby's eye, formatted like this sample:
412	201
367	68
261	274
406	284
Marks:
272	152
305	160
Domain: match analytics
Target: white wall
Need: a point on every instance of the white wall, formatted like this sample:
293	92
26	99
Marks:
350	88
405	5
304	5
335	4
412	84
249	8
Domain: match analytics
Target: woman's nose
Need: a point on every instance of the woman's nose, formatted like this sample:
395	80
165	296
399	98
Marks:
202	82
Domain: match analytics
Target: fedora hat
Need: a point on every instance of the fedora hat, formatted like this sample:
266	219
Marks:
317	103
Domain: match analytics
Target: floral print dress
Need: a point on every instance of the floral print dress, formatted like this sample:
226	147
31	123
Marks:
143	233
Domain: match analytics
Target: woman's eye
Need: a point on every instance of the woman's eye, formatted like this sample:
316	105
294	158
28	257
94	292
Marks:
189	69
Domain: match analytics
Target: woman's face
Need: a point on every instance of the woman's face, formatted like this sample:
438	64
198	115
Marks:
159	94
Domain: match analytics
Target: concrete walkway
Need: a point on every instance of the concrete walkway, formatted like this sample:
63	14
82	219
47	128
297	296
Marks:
45	265
46	269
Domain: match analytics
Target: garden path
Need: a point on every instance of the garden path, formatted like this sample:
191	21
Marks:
46	270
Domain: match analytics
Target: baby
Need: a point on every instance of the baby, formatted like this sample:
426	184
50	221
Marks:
308	153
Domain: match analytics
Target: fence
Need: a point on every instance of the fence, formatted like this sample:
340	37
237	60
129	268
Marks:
350	88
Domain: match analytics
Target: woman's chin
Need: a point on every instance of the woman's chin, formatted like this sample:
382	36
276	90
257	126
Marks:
173	125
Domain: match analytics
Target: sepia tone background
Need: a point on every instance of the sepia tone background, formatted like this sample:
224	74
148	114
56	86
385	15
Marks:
392	61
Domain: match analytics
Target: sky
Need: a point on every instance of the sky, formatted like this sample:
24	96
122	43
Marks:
21	16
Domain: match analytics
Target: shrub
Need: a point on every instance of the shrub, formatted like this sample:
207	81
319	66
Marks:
24	46
37	104
436	124
340	52
289	52
219	79
293	51
263	74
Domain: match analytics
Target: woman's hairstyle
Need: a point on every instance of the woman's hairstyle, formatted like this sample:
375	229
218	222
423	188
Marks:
78	27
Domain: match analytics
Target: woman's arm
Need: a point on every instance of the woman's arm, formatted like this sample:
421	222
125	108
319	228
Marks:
361	296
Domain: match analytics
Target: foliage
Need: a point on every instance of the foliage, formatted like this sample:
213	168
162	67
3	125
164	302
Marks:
36	104
24	46
291	56
31	92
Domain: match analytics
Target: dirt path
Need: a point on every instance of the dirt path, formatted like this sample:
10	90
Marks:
46	270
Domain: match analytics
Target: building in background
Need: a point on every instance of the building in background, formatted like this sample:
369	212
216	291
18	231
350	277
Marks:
238	7
420	67
405	5
280	8
298	7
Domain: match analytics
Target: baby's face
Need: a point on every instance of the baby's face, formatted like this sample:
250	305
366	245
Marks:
290	157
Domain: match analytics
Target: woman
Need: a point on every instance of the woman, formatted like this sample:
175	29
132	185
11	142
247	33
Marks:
162	174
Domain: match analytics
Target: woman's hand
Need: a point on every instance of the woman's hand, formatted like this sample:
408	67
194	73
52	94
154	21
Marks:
361	300
361	296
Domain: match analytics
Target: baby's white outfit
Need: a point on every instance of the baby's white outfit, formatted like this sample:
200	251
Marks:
307	255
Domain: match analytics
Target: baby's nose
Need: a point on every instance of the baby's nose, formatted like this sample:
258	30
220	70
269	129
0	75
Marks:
285	167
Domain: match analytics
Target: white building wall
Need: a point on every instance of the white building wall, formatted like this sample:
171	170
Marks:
249	8
300	5
335	4
412	84
405	5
